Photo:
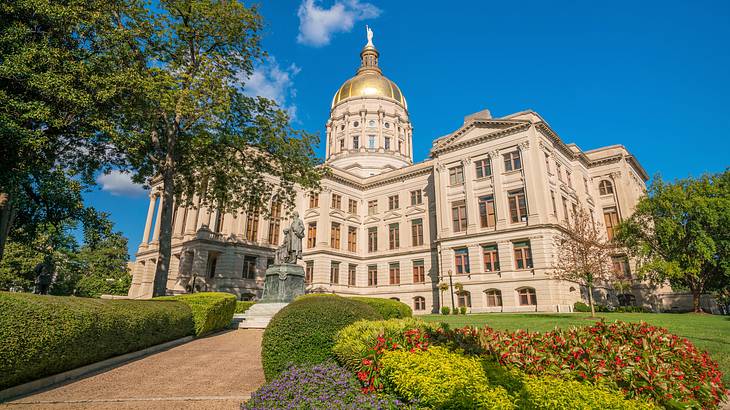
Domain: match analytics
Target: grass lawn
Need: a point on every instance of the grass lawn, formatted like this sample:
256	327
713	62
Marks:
707	332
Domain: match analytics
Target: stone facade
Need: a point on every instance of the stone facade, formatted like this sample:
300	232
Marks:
481	213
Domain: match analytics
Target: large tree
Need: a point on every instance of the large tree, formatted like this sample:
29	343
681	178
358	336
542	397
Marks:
680	232
191	127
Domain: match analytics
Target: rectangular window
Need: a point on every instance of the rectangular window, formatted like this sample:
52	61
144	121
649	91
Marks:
566	216
568	176
547	163
394	236
352	239
335	273
512	161
309	272
393	202
419	271
417	232
252	227
336	201
249	267
352	275
342	145
335	236
355	142
527	297
372	275
416	197
311	235
373	207
621	267
461	260
523	255
352	206
494	298
517	206
458	216
394	273
372	239
456	175
274	224
552	198
610	217
483	167
386	142
487	217
491	258
371	141
314	200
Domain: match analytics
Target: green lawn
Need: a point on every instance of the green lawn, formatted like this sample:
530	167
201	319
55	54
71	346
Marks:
708	332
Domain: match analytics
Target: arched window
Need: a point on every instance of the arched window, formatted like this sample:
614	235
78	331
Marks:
605	187
419	303
494	297
527	296
464	298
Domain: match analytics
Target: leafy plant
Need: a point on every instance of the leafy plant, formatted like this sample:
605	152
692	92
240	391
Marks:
412	340
445	310
462	310
243	306
211	310
388	308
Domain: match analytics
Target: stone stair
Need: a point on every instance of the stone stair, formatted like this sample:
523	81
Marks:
257	316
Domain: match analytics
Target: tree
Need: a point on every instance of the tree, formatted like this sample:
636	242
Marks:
584	254
680	232
191	127
443	287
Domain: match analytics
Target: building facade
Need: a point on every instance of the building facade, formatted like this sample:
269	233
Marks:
481	214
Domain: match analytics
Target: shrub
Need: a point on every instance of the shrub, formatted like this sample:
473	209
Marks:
582	307
437	378
462	310
445	310
463	340
322	386
632	309
44	335
304	331
388	308
547	393
242	307
211	310
355	342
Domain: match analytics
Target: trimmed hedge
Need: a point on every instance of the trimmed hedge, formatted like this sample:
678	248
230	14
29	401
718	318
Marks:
44	335
304	331
211	310
388	308
242	307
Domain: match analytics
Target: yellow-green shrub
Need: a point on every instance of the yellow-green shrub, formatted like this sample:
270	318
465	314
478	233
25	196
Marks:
388	308
440	379
211	310
243	306
354	342
548	393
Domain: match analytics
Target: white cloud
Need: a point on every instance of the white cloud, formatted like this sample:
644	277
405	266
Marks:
272	81
118	183
318	24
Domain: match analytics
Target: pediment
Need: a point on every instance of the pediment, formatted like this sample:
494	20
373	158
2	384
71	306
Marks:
353	218
338	213
413	210
476	131
311	213
391	215
371	219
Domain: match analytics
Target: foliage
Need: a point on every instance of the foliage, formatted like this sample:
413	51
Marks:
462	310
304	331
631	309
46	335
211	310
243	306
582	307
411	340
445	310
321	386
462	340
681	232
388	308
437	378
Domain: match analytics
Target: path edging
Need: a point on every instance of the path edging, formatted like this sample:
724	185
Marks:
30	387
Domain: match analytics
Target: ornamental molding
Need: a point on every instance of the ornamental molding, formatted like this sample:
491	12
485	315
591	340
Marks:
499	128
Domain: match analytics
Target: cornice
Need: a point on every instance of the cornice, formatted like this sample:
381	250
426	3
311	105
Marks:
448	145
391	177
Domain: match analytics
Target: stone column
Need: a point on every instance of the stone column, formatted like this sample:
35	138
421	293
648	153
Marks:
472	216
148	224
192	222
500	197
156	234
442	204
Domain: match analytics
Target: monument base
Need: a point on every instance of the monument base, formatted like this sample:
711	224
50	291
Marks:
257	316
284	282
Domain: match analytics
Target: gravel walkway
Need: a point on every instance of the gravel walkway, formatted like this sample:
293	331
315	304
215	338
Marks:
216	372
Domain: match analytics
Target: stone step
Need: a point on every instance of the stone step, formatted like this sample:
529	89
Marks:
257	316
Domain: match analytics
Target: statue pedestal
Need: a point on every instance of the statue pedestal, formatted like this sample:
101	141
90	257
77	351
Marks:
284	282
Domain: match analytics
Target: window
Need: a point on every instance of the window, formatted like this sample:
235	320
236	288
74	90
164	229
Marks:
400	146
419	271
372	275
373	207
610	216
419	303
212	262
356	124
336	201
458	216
394	271
352	206
335	273
575	210
335	236
352	275
483	167
512	161
313	200
311	235
249	267
309	272
371	141
355	142
547	163
491	258
456	175
393	202
394	236
342	145
552	198
352	239
565	209
416	197
517	206
559	171
523	255
274	223
461	259
494	297
464	298
487	218
372	239
386	143
527	297
252	227
371	123
387	125
605	187
417	232
621	267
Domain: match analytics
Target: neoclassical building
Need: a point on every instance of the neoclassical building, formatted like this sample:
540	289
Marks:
480	214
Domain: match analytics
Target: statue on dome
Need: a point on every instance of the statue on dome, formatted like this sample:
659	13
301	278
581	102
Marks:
370	35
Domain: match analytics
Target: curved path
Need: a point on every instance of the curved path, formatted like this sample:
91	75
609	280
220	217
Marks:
215	372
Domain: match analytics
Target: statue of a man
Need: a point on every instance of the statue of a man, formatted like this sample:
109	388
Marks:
296	233
370	35
282	252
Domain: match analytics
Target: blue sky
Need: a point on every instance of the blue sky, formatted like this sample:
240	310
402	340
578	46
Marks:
652	76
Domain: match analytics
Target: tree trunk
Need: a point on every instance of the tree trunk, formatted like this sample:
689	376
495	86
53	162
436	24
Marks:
696	295
165	238
590	300
7	214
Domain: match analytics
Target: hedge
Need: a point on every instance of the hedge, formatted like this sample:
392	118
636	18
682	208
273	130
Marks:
242	307
44	335
304	331
211	310
388	308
